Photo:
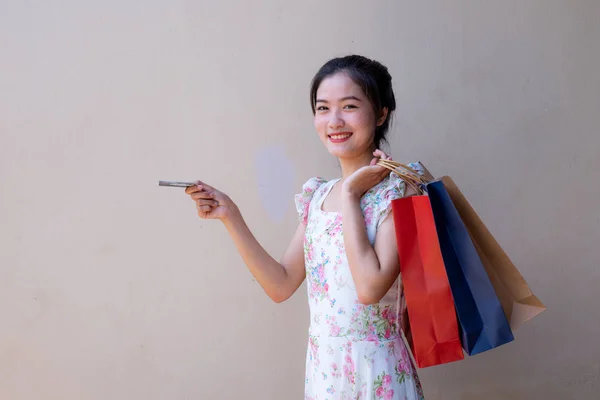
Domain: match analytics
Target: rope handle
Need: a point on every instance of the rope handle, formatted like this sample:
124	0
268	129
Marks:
406	173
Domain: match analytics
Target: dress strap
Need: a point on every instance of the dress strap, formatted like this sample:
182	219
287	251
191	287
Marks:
324	193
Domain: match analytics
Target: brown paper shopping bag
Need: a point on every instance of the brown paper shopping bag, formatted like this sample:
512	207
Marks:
518	301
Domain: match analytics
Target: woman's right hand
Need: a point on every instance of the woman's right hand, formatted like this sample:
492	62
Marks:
278	279
210	202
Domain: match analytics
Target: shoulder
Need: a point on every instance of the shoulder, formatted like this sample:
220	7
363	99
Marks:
310	186
378	200
390	188
306	195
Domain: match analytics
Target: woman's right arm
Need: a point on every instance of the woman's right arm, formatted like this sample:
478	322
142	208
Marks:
278	279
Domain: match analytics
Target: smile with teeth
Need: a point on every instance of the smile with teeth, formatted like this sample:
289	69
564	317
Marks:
340	136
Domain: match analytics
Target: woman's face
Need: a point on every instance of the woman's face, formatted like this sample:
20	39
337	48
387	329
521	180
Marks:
344	117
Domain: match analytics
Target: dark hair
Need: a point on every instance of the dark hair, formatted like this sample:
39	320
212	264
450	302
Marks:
372	77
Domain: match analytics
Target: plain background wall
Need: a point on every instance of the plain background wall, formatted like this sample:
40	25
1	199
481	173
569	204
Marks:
112	288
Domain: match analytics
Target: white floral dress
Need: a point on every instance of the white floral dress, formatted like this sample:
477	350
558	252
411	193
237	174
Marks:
354	351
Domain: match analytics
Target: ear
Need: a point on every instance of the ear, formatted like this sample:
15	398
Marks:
383	117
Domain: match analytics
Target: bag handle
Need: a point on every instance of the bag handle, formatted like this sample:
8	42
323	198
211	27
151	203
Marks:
406	173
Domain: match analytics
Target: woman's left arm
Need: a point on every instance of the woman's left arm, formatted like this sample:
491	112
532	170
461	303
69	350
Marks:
374	268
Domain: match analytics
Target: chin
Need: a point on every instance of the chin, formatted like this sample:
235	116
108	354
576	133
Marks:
340	152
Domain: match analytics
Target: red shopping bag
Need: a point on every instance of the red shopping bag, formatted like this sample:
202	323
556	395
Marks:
429	301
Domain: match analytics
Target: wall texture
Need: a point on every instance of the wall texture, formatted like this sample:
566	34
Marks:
111	288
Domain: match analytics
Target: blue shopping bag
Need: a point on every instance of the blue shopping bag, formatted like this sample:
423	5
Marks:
482	321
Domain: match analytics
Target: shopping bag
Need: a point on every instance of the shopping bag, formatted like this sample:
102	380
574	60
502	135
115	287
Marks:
431	312
518	301
483	324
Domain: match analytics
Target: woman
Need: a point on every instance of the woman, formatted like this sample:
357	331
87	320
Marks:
344	244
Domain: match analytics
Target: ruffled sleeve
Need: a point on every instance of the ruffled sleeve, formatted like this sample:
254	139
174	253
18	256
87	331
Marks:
304	198
393	188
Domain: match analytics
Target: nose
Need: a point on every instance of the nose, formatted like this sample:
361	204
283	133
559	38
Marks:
336	121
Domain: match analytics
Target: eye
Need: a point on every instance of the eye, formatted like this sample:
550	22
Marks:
321	108
350	106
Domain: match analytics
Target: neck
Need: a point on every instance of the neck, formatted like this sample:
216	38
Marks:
351	165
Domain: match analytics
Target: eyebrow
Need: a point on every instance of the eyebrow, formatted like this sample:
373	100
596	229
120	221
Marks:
342	99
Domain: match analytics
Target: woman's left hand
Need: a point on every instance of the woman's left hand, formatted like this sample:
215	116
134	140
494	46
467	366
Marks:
366	177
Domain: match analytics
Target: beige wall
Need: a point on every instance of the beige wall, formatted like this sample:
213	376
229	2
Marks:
111	288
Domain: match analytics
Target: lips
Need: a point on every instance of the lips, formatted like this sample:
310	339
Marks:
339	137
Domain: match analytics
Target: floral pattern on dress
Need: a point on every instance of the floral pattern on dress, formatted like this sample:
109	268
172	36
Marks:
355	351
